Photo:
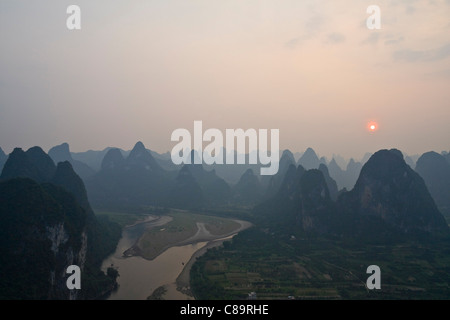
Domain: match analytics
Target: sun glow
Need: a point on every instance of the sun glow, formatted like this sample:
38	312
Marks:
372	126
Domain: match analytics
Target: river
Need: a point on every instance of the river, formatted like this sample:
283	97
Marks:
140	277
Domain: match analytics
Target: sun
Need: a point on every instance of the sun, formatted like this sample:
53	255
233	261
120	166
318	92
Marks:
372	126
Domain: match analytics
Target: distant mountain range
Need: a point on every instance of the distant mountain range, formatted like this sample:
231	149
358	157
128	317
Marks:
230	173
136	180
125	185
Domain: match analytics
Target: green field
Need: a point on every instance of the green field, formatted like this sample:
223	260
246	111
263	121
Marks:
181	228
278	268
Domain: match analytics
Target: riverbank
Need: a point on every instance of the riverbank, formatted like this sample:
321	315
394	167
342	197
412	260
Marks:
183	229
140	278
147	224
183	280
147	219
204	235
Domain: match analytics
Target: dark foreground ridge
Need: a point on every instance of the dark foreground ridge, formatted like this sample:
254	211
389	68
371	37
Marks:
46	225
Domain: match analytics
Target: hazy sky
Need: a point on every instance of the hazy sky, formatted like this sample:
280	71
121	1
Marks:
137	70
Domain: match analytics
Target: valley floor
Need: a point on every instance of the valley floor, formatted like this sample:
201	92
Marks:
184	228
151	238
278	267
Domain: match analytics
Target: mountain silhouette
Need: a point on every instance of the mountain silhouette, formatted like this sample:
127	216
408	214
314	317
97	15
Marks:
309	159
303	202
131	182
62	153
21	164
249	189
3	158
345	178
435	171
331	184
60	230
93	158
365	158
317	206
337	173
352	172
141	159
113	160
410	161
39	244
446	155
215	190
275	181
66	177
389	200
186	193
42	161
390	196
